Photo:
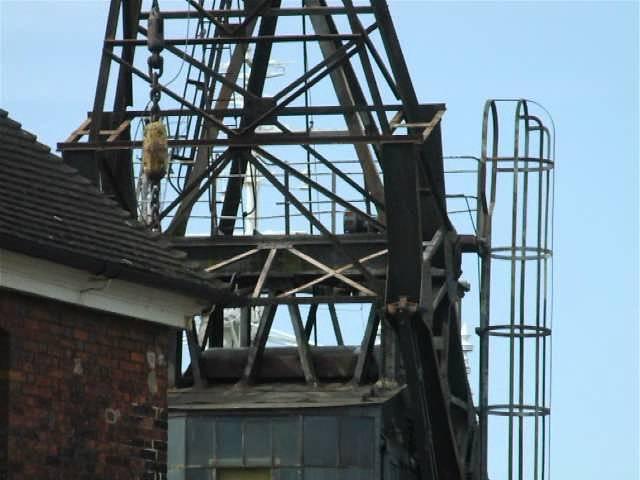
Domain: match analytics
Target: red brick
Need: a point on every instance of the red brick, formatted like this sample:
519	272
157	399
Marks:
67	409
80	334
130	366
138	357
16	376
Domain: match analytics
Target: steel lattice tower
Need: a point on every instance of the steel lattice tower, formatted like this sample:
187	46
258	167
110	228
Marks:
342	134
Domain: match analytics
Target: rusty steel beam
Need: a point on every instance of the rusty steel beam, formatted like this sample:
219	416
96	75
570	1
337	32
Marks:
286	111
349	93
255	85
334	363
436	450
402	214
232	40
267	12
249	140
209	132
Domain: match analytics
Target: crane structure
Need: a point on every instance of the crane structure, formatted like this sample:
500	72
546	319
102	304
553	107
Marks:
341	136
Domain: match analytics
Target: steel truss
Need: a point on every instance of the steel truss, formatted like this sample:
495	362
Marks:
226	127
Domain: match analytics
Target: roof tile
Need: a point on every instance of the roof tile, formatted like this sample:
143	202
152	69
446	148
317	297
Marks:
49	210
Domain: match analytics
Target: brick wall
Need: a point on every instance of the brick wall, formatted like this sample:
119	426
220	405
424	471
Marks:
87	392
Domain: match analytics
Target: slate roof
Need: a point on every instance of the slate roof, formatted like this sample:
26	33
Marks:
48	210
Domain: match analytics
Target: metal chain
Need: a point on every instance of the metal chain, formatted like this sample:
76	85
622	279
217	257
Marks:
155	44
155	206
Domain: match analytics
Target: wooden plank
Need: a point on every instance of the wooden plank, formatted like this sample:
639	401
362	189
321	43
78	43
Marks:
257	347
264	272
303	346
329	275
366	347
433	245
333	273
245	326
311	321
426	289
442	291
79	132
336	324
214	331
118	131
432	124
396	119
194	353
231	260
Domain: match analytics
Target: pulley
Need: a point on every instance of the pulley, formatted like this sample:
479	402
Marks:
155	44
155	31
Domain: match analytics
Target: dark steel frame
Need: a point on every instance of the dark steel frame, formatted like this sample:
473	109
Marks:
406	267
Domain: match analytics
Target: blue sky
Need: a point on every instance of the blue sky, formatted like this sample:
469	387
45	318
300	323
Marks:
579	59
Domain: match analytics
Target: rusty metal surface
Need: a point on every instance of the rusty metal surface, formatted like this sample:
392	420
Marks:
393	171
278	396
283	364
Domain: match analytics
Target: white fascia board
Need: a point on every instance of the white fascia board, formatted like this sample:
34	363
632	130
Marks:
70	285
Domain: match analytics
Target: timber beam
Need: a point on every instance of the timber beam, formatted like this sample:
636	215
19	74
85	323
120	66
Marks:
224	256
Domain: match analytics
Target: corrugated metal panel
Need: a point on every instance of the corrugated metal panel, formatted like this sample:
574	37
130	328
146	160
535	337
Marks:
353	473
229	442
287	441
357	440
320	440
257	442
176	454
314	473
291	447
200	441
